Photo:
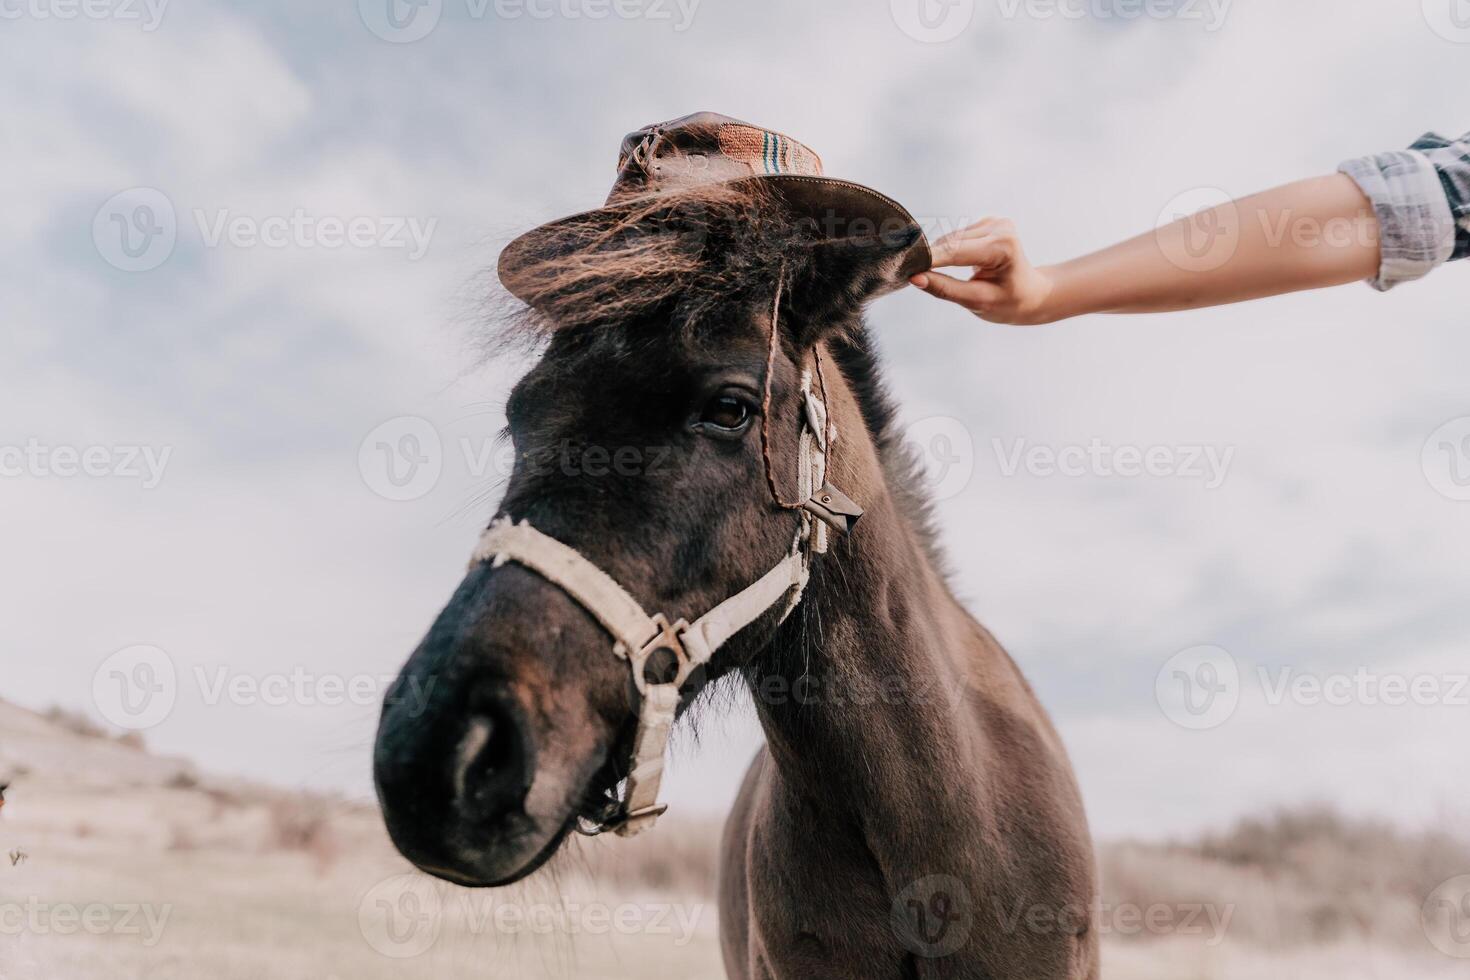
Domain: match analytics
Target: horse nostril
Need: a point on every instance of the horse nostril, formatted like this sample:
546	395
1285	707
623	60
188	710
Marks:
491	776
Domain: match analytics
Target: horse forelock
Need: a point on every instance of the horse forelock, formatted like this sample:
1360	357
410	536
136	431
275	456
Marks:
686	272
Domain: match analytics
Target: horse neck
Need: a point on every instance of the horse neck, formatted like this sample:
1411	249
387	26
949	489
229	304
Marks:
867	675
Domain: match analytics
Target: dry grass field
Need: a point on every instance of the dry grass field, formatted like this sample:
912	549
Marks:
138	868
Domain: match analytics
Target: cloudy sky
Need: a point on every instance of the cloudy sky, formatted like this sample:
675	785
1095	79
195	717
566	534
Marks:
246	244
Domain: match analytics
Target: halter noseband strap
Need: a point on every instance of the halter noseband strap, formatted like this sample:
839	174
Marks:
660	654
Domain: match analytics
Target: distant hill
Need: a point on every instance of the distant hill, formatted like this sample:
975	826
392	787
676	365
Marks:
64	750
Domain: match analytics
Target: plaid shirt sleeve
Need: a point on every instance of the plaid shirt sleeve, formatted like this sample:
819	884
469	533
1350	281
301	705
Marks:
1422	198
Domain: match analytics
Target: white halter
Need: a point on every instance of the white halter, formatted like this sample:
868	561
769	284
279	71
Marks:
637	636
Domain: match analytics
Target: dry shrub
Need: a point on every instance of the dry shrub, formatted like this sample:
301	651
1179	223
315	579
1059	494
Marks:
677	856
303	823
223	798
1333	853
183	780
75	722
132	740
79	723
181	840
1295	878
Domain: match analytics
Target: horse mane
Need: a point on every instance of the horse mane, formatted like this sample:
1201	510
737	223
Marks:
852	349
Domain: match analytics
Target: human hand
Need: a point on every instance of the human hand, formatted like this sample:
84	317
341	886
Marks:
1004	286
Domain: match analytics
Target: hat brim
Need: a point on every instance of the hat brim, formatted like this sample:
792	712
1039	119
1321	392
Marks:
839	210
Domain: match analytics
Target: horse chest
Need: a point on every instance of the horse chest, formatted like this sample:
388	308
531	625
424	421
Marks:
817	906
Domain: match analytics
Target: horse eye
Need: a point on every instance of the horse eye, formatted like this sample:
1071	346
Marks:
725	412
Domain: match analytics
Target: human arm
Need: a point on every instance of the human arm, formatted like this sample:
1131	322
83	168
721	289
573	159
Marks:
1388	219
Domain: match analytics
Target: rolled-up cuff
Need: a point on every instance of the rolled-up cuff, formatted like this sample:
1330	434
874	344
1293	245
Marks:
1416	229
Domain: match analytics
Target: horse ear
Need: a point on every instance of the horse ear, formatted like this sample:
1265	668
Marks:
837	276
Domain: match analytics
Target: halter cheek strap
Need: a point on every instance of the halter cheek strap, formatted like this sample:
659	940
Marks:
662	654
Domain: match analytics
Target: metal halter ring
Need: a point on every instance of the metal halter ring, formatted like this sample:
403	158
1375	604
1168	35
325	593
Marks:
669	637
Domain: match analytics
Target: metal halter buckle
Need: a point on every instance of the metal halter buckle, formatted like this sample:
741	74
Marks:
669	637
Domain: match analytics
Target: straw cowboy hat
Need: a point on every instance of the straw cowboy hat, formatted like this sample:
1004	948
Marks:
707	148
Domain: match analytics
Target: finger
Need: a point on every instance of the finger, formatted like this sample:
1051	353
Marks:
938	284
943	252
987	253
987	226
967	293
980	229
992	226
949	241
